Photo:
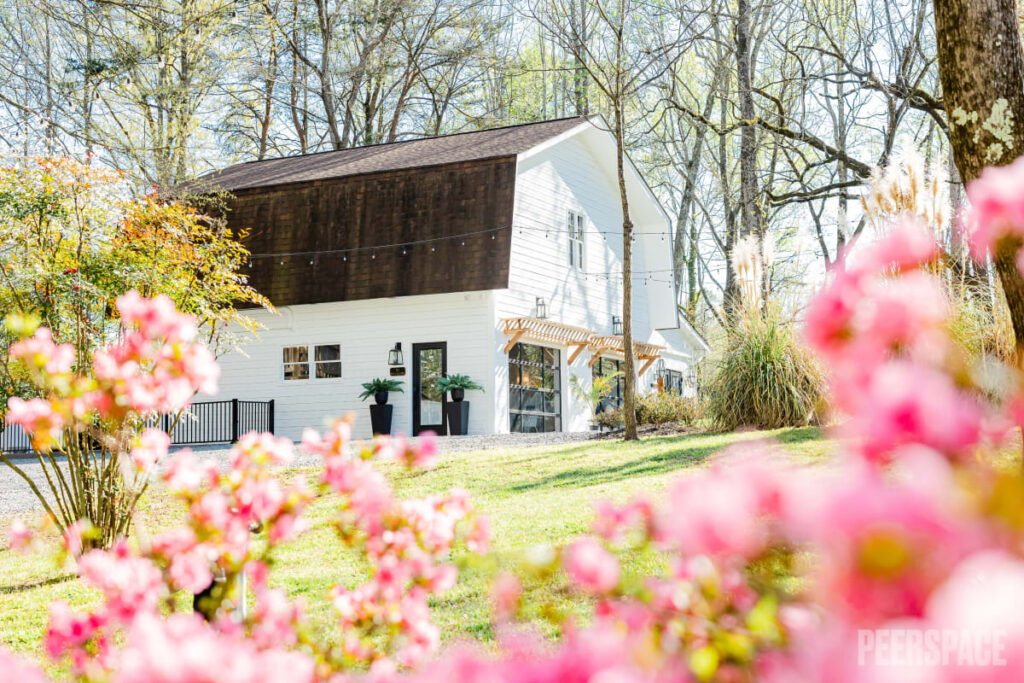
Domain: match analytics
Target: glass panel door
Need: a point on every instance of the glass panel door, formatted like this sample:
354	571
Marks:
534	394
429	364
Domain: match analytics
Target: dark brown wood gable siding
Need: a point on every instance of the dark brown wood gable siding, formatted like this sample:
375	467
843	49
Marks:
380	209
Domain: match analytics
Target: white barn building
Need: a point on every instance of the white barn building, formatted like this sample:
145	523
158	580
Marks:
495	254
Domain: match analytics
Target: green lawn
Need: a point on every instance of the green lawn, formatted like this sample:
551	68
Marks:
532	496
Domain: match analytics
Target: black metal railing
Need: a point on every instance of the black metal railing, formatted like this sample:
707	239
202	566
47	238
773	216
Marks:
13	439
212	422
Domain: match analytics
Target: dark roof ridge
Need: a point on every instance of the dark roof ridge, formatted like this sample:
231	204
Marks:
580	117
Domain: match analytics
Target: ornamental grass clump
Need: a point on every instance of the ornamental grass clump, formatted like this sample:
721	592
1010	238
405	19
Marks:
766	378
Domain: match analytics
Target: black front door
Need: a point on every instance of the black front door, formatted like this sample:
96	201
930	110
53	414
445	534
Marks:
429	364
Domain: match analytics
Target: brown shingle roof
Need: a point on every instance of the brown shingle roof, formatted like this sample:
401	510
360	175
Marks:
446	149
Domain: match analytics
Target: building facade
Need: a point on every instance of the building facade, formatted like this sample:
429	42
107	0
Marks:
495	254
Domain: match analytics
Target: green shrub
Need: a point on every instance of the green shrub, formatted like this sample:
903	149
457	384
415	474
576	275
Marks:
668	407
610	419
765	378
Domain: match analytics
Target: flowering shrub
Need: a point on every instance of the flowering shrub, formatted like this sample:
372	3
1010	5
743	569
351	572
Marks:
93	415
385	620
772	572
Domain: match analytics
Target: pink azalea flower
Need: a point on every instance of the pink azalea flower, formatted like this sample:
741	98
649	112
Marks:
907	245
479	535
885	547
157	317
905	403
38	417
183	648
151	447
74	537
731	509
67	632
981	598
20	535
129	584
186	474
506	592
591	567
40	352
190	570
14	669
998	206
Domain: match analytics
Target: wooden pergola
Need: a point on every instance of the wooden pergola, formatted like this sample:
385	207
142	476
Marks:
578	339
538	329
601	344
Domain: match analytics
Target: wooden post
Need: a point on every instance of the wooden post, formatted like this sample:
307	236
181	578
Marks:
234	420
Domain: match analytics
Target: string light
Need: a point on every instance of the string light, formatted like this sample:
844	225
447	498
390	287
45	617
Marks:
648	275
403	245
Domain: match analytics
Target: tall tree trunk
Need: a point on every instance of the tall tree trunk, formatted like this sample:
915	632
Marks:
981	67
730	293
691	169
750	212
629	369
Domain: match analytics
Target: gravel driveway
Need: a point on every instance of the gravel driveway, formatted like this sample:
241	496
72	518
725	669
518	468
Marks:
16	496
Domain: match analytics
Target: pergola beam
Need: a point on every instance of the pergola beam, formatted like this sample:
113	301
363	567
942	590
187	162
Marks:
597	355
647	365
514	339
577	351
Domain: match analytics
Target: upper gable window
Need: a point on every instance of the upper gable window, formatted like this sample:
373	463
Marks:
574	226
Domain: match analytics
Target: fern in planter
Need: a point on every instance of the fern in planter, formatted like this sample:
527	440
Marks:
457	412
380	386
456	382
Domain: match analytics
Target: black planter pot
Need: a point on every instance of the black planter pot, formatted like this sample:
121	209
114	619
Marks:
458	416
380	398
380	417
458	394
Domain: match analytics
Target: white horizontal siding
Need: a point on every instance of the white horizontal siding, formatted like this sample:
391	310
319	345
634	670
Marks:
366	331
551	182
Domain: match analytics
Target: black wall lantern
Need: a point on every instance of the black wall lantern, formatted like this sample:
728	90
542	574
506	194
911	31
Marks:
542	309
616	325
395	355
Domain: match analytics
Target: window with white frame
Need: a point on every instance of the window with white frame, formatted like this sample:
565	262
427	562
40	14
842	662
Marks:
575	222
328	361
320	361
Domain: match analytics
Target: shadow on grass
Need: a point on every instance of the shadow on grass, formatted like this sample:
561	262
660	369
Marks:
799	435
22	587
690	450
656	463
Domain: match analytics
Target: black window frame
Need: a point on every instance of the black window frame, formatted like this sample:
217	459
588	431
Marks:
607	366
537	403
674	381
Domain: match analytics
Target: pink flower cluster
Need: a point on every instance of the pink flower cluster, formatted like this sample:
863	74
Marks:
408	544
882	327
386	622
997	211
155	367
